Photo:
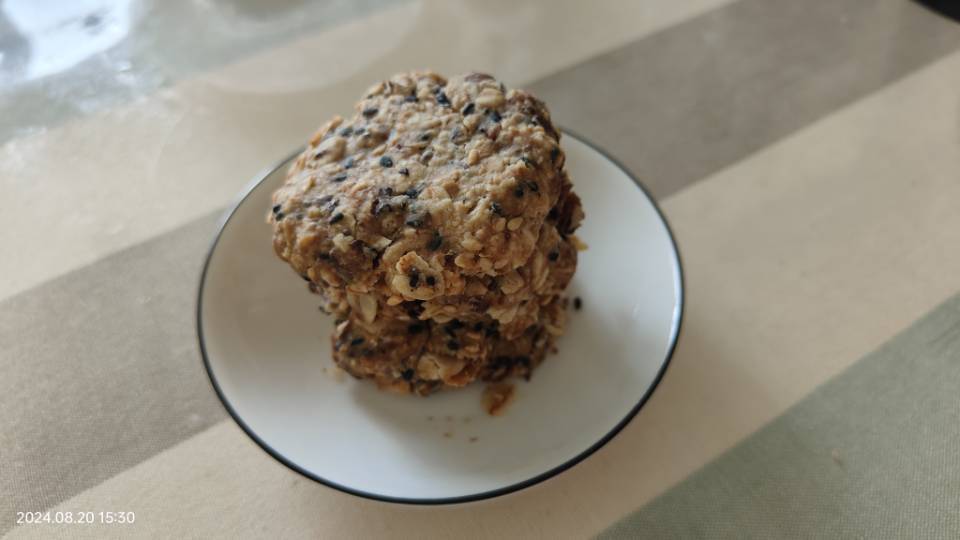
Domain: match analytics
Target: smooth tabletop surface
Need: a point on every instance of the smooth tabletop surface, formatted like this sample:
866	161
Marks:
806	154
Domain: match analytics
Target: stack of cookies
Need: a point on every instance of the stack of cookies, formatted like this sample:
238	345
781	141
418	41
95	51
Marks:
437	225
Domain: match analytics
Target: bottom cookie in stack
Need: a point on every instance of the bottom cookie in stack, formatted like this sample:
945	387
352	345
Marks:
426	356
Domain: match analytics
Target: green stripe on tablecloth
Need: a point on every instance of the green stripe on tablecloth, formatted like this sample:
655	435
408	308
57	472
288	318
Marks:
873	453
683	103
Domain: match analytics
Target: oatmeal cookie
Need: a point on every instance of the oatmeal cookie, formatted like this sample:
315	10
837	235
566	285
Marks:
513	300
437	225
425	356
452	178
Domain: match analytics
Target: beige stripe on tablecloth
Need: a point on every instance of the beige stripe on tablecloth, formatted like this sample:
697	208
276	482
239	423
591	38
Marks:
101	371
799	260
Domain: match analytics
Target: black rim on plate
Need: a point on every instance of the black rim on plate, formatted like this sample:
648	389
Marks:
674	338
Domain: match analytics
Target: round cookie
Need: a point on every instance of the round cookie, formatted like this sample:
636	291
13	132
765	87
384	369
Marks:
449	178
422	357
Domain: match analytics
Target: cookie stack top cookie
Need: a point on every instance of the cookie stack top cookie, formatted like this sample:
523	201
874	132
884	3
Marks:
437	200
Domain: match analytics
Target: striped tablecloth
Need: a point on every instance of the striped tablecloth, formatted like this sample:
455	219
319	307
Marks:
807	155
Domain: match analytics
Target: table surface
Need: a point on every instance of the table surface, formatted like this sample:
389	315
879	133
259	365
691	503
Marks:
807	155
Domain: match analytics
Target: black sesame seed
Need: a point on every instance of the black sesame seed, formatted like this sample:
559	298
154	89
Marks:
414	309
336	218
414	220
360	130
370	112
553	255
495	116
554	154
532	186
453	345
577	303
279	216
528	162
346	132
276	208
455	324
477	327
386	191
518	191
431	281
414	278
496	208
386	161
339	177
410	99
415	328
305	277
404	171
413	193
443	99
468	110
407	374
356	341
349	163
435	241
425	137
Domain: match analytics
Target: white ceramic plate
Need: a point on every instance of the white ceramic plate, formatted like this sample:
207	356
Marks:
266	348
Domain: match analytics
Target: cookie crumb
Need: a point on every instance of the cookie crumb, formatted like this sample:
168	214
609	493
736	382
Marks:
447	434
496	397
474	439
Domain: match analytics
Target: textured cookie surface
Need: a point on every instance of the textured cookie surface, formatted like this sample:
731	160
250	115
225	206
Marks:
437	225
512	300
437	179
422	357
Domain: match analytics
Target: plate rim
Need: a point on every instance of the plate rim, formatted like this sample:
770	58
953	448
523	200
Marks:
676	327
